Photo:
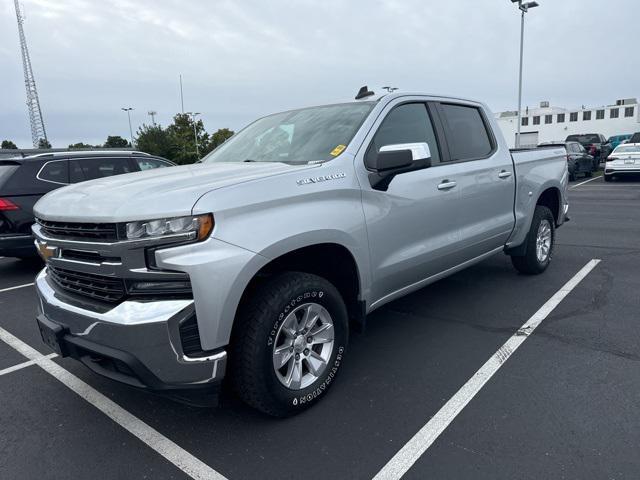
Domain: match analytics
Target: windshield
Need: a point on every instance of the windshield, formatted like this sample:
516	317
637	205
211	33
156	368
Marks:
298	136
627	149
588	138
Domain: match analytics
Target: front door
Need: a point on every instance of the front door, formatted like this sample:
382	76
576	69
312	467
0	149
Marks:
412	231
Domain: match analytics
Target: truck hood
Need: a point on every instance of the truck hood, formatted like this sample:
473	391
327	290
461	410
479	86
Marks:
162	192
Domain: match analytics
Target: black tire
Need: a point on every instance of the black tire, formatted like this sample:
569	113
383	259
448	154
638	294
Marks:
588	174
572	176
255	334
529	263
608	178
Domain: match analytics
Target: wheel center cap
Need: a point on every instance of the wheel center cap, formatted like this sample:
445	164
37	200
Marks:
299	343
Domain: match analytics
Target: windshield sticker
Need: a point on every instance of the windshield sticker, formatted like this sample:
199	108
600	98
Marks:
338	150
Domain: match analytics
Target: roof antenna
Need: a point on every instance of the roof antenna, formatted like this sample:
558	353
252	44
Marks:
364	92
390	89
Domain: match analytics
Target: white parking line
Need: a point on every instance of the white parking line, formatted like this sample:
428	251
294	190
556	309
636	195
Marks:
28	363
421	441
182	459
16	287
586	181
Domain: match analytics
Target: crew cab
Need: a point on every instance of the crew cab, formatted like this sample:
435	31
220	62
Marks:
253	264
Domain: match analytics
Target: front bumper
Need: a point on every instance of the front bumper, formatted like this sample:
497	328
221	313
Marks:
135	342
17	246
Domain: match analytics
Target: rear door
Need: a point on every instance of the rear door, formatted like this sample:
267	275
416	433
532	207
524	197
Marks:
486	179
584	159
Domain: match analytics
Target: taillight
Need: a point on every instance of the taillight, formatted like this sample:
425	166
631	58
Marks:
611	159
6	205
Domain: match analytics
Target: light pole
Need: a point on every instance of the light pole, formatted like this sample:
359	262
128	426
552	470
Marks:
195	133
128	110
524	8
152	114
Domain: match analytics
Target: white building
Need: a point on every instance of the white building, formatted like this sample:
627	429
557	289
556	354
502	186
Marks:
547	123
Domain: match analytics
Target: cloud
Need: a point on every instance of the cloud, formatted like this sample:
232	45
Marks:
242	59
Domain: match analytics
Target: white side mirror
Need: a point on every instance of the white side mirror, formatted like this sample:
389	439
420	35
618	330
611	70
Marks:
419	151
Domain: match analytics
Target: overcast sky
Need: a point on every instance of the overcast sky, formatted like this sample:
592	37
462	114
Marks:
246	58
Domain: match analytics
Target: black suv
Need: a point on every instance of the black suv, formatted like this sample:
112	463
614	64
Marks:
24	180
578	160
595	144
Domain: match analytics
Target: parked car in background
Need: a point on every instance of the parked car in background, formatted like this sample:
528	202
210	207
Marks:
616	140
252	264
623	161
635	138
578	160
595	144
23	181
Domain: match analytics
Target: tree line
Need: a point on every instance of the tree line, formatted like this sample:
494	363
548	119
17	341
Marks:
176	142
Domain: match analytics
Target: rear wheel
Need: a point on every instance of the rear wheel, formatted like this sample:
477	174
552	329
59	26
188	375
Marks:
289	343
588	174
540	242
607	178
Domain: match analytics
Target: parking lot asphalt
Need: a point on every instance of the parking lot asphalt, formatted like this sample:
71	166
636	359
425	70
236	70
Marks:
564	405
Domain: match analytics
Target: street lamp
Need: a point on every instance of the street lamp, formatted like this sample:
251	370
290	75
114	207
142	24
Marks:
128	110
195	134
524	8
152	114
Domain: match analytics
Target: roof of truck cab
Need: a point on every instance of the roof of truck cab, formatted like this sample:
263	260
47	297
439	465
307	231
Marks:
379	96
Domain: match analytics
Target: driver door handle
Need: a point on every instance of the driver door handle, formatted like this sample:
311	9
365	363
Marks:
504	174
446	185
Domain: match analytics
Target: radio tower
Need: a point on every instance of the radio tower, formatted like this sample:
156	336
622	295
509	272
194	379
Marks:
33	104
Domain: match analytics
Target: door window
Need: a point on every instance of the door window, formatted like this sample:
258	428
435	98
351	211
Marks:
56	172
467	134
91	168
150	163
408	123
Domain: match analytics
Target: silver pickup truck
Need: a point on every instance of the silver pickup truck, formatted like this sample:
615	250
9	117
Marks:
253	264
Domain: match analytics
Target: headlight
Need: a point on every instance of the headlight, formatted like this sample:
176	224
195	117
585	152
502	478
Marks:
198	226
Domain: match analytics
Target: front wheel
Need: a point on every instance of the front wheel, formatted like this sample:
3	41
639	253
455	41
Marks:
289	343
540	243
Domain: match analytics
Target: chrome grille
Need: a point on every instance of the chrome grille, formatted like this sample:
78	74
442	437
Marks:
83	231
98	287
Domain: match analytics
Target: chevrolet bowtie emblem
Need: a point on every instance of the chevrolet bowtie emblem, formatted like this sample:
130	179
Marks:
45	251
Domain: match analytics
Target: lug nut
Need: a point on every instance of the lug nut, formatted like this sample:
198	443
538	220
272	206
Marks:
306	351
291	349
297	356
309	339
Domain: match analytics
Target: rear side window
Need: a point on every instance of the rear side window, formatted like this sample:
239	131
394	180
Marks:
408	123
150	163
6	171
92	168
56	172
467	134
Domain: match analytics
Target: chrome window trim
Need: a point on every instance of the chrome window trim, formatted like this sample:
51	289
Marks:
43	167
